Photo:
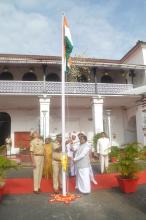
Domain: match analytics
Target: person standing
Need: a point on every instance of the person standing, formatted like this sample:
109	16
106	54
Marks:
47	170
82	160
103	149
56	164
92	178
37	156
8	143
71	147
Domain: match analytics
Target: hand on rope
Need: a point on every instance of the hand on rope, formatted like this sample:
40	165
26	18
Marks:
64	161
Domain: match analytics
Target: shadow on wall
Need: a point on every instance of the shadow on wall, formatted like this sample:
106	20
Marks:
130	132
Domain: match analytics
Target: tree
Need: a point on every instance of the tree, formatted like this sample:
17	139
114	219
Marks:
79	73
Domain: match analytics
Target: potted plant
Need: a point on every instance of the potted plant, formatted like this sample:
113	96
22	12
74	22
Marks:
5	164
114	154
128	167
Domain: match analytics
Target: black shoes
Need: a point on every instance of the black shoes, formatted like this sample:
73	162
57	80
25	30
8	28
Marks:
36	192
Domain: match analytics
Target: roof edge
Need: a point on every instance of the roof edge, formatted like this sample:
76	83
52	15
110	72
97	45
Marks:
132	50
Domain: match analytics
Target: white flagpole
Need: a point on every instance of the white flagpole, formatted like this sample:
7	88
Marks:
63	110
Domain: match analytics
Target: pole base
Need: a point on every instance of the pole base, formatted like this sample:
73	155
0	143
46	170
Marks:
63	199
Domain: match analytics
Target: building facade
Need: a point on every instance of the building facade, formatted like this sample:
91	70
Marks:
112	100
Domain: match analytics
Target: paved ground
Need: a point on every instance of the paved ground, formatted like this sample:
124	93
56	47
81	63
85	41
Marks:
100	205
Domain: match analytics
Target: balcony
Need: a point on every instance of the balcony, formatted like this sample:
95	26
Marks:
54	88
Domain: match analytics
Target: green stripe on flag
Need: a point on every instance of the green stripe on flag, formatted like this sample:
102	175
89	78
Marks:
68	48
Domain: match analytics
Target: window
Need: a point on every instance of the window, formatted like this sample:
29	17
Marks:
106	79
52	77
82	78
6	76
29	77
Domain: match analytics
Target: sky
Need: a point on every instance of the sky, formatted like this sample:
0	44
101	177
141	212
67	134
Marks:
104	29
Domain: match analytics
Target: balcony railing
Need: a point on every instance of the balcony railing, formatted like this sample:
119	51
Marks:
54	88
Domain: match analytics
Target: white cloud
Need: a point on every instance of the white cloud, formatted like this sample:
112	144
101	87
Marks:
34	27
25	32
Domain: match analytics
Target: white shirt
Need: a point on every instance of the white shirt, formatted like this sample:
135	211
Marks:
103	146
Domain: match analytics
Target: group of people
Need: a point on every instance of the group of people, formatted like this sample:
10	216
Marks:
46	160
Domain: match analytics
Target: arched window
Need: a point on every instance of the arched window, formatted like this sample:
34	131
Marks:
52	77
106	79
6	76
5	127
29	77
82	78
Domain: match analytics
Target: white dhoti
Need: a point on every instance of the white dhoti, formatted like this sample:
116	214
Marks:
83	180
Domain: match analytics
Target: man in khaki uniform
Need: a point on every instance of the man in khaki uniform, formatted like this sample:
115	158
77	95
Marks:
56	164
37	155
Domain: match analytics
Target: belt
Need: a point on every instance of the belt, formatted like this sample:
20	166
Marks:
38	155
57	160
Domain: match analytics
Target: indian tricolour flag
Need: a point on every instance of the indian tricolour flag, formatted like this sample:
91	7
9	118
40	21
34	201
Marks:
68	46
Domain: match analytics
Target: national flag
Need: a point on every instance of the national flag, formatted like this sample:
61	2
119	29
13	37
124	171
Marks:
68	46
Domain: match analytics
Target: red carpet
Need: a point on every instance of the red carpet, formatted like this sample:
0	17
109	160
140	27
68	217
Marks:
25	185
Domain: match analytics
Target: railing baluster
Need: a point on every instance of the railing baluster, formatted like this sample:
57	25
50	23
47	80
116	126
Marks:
76	88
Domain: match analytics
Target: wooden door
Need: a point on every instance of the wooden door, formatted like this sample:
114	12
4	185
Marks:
22	139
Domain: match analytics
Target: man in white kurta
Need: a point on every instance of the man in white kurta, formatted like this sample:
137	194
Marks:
103	148
92	178
82	161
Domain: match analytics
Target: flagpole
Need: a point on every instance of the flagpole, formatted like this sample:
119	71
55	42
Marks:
63	110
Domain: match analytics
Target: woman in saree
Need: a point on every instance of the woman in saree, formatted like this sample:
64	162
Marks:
47	170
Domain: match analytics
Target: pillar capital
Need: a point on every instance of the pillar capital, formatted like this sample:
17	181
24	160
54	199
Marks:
108	112
44	98
144	104
97	100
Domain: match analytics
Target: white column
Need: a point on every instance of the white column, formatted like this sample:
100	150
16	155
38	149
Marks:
144	119
108	113
144	127
141	123
97	114
44	116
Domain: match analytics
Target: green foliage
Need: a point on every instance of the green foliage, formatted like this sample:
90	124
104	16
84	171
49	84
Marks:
76	72
95	139
143	153
128	164
2	149
114	152
6	164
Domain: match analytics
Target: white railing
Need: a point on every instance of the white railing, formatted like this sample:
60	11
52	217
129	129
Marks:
73	88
